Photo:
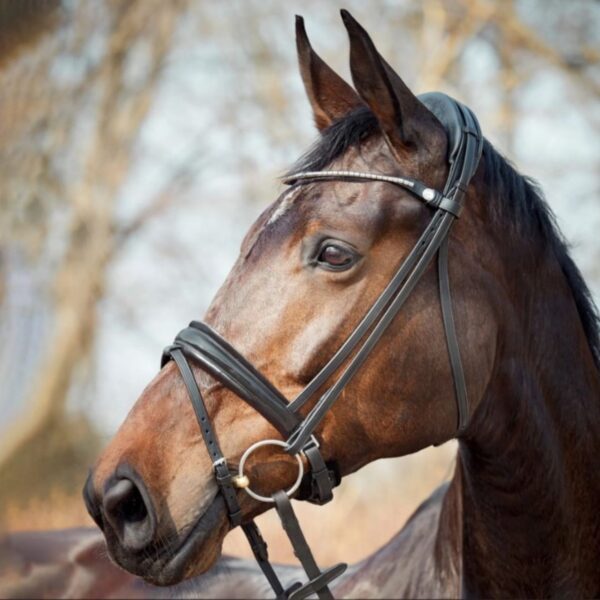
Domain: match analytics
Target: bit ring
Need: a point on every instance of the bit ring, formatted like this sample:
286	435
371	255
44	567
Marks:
260	444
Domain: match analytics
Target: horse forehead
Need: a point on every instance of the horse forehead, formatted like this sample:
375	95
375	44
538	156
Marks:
290	200
370	155
278	210
320	195
285	203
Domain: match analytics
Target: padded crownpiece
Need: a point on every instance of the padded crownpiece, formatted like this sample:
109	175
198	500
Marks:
458	121
447	112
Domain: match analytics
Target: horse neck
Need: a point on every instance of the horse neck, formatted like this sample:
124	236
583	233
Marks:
527	472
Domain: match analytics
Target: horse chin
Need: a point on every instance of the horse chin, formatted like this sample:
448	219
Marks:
186	557
198	551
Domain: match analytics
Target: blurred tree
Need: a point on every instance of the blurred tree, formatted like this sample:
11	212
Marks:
79	185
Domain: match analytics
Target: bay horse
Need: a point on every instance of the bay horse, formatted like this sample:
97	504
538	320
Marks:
519	517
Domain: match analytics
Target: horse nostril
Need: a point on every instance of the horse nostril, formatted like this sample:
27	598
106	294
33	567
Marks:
130	514
125	502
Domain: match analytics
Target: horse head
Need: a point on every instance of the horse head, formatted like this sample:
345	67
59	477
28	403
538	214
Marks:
309	269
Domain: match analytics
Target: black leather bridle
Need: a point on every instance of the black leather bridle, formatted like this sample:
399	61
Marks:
204	347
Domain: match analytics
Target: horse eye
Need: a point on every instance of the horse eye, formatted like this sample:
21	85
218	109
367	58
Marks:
335	256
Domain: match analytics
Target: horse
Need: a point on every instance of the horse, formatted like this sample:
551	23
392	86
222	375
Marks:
519	516
73	563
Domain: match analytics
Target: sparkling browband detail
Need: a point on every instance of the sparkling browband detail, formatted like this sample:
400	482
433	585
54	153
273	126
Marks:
428	194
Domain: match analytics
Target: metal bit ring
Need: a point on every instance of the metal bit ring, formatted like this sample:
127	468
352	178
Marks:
260	444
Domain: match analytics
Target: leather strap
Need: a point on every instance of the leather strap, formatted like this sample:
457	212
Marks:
261	555
346	349
222	474
318	580
458	374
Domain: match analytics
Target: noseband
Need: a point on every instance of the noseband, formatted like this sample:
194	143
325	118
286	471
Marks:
205	348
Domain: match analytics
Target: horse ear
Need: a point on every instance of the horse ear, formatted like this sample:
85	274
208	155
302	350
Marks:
330	96
406	122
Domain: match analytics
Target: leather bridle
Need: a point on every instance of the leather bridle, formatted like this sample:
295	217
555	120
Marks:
207	349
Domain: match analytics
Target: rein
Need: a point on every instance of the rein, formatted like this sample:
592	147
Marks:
207	349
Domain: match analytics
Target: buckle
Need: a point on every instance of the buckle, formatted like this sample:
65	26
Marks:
219	462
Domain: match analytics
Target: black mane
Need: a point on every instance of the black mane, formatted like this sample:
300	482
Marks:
520	204
336	139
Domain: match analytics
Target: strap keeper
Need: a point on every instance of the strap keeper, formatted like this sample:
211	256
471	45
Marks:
235	517
223	477
313	442
321	482
450	205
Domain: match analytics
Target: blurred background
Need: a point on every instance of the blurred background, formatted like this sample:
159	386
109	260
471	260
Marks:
138	142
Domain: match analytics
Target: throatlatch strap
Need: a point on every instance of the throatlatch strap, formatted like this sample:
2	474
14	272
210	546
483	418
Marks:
460	386
318	580
222	474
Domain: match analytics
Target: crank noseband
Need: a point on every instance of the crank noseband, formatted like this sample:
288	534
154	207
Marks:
204	347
